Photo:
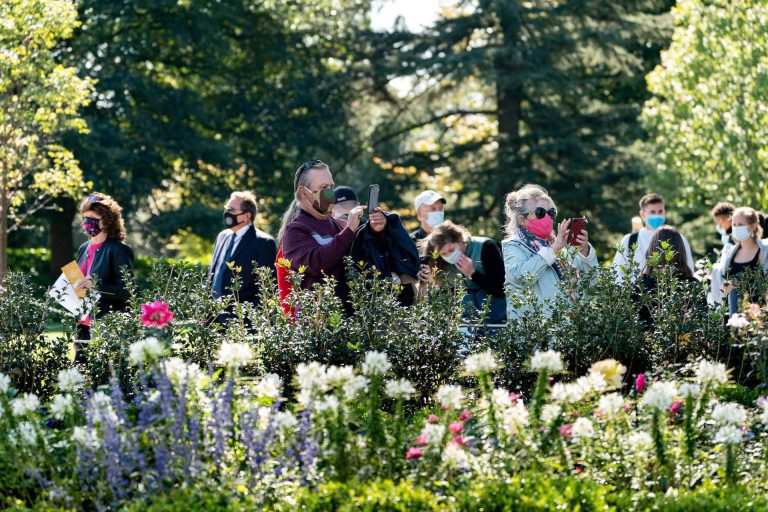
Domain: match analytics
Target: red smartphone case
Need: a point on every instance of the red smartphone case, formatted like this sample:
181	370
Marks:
577	226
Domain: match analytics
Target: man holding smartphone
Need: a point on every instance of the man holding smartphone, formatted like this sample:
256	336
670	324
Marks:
313	239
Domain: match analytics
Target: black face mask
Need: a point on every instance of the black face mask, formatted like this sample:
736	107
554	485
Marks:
230	219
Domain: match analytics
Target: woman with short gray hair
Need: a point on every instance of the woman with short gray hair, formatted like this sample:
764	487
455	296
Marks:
531	249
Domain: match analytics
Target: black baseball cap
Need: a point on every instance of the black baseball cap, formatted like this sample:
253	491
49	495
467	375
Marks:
344	194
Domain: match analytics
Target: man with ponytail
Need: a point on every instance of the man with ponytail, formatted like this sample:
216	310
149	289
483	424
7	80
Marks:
310	237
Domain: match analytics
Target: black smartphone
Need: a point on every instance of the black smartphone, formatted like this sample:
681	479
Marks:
426	260
373	198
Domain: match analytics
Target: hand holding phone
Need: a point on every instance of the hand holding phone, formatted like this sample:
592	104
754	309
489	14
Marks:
577	226
373	198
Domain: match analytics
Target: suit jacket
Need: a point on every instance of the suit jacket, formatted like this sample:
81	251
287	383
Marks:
255	249
108	262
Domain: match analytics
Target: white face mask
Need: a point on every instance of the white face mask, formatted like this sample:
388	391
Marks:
452	258
740	233
434	219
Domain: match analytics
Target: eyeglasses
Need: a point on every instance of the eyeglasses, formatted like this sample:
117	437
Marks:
309	164
540	212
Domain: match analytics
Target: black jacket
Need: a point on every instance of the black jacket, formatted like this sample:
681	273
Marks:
256	249
389	251
108	262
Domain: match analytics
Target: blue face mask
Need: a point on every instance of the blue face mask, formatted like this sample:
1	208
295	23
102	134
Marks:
654	221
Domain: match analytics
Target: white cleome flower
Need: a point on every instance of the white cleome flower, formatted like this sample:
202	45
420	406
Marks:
593	382
454	455
284	420
337	375
400	388
582	429
449	396
501	398
660	395
551	361
24	404
329	404
567	393
70	380
515	419
86	437
376	363
433	433
611	404
5	383
270	386
729	414
182	374
26	433
354	386
235	355
483	362
689	390
708	372
311	376
639	442
729	434
147	350
62	406
550	412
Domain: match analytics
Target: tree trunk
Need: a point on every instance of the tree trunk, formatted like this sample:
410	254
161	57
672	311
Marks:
60	238
509	92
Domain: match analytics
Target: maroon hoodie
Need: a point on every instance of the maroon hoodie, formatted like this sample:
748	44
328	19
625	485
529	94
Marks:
319	246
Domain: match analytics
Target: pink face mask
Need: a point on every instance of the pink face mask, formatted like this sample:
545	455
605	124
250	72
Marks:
541	228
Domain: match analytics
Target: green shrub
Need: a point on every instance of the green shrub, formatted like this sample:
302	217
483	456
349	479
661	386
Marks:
379	496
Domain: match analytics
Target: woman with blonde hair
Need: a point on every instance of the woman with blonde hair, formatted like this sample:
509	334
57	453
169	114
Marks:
531	248
750	252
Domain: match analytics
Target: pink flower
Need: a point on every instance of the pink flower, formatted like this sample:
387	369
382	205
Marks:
413	453
465	415
675	407
738	321
575	414
456	427
628	407
514	397
433	418
565	430
640	383
459	440
156	314
421	440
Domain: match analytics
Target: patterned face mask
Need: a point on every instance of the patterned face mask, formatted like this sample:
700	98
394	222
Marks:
91	226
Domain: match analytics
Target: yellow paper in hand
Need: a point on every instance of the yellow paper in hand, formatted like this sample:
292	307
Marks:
73	274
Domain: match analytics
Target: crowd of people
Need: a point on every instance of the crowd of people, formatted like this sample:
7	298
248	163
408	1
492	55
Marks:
324	223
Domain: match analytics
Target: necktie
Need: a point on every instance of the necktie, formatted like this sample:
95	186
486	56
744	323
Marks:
218	278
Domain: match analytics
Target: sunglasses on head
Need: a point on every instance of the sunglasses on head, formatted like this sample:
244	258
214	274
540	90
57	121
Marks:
309	164
93	198
539	212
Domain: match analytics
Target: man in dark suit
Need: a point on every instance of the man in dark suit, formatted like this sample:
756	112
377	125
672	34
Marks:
244	247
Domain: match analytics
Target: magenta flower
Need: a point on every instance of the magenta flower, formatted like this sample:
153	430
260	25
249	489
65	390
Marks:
421	440
156	314
456	427
413	453
433	418
640	383
460	440
565	430
465	415
675	407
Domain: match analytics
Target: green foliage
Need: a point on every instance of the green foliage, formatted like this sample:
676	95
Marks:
39	99
707	118
384	496
26	355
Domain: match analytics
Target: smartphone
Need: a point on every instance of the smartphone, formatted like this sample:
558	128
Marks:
373	198
576	227
426	260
